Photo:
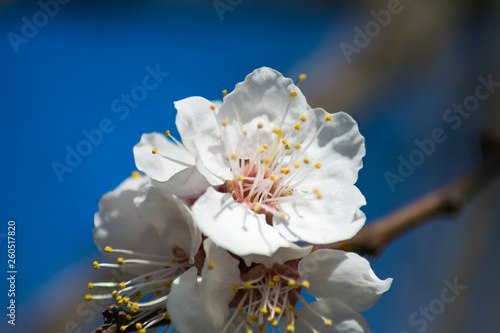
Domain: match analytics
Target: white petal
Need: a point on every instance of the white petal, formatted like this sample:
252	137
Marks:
234	226
200	134
344	319
343	275
218	282
119	226
186	184
186	307
262	98
279	257
171	219
334	217
156	166
339	148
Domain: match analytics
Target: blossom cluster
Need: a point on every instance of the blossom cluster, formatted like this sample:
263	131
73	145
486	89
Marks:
216	232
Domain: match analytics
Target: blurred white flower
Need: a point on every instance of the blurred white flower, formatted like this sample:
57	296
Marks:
230	299
281	172
151	242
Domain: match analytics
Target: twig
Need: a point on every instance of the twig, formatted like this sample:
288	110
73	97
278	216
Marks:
115	317
374	238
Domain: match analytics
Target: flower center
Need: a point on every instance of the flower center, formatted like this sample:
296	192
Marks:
270	298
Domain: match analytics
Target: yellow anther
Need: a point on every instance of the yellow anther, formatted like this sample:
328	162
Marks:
264	310
261	327
240	178
224	92
272	284
293	93
305	284
306	160
297	165
173	261
285	171
115	293
121	261
210	265
297	127
260	125
265	146
133	310
122	285
118	298
138	326
241	309
212	107
256	208
135	174
317	165
287	147
224	122
284	141
290	328
328	117
303	118
274	323
291	308
276	278
167	133
318	193
282	216
90	285
245	132
291	283
247	285
234	156
141	331
88	297
166	316
297	145
108	249
155	150
123	328
95	264
255	317
136	306
267	160
272	177
277	131
327	322
127	301
119	302
235	289
261	150
128	317
249	331
302	77
277	310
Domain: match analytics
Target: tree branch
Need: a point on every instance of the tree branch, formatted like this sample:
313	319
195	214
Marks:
451	199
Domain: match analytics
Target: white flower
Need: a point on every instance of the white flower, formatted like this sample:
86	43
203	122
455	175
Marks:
152	242
227	299
282	172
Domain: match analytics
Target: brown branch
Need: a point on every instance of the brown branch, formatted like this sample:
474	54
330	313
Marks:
451	199
115	317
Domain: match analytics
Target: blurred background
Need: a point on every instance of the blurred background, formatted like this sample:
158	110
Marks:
402	69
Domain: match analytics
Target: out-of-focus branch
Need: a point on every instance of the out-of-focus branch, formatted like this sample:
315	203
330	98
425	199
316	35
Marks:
373	239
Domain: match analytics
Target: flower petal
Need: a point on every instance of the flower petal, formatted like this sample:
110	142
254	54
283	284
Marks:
281	256
157	166
339	147
171	219
186	184
186	307
200	134
118	225
263	97
334	217
343	275
235	227
344	319
218	282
